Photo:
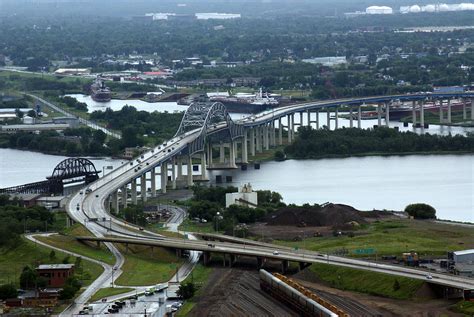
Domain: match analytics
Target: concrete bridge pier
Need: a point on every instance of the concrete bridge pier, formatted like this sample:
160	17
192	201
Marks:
289	128
328	118
413	112
280	132
317	119
173	172
472	109
336	117
260	262
252	141
272	134
308	115
124	196
232	259
221	153
449	110
153	182
245	158
143	187
379	114
441	114
203	167
164	177
351	117
206	257
232	154
266	136
190	171
134	191
387	114
422	113
115	202
285	265
464	112
359	116
259	139
301	118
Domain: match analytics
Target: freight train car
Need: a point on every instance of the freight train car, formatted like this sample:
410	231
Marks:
287	294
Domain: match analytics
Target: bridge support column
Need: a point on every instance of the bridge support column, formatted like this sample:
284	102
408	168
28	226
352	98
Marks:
173	172
359	117
134	191
301	118
153	182
293	130
413	113
190	171
221	153
472	109
379	115
115	202
317	119
308	115
206	257
258	139
336	113
266	137
422	113
280	132
289	128
273	134
449	110
209	154
232	154
143	187
285	264
203	166
124	196
464	112
180	165
328	115
441	115
351	117
231	260
164	177
260	262
245	158
252	141
387	114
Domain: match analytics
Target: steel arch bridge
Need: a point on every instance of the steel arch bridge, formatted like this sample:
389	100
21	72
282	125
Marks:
209	118
71	170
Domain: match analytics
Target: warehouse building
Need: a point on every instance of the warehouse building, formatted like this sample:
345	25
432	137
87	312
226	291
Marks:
464	256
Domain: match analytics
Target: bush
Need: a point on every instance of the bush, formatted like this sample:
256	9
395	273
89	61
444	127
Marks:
186	290
279	156
421	211
8	291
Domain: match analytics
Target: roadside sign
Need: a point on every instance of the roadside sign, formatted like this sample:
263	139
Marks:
364	251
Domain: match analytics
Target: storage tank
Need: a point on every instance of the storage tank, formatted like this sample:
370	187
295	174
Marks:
379	10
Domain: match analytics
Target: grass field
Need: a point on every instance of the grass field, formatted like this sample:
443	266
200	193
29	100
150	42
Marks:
68	242
109	291
393	237
192	226
463	307
13	260
200	277
144	266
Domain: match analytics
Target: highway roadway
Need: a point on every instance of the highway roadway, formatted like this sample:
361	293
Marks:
84	206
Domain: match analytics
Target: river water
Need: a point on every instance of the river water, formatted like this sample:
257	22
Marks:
444	181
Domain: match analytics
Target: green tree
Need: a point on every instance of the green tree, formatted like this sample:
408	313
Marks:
8	291
28	277
52	255
421	211
186	290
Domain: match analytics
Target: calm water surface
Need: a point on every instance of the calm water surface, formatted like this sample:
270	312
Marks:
444	181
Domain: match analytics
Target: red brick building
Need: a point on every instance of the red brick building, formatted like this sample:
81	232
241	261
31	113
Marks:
55	274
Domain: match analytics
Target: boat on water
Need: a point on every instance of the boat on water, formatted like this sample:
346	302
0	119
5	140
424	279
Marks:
99	91
238	103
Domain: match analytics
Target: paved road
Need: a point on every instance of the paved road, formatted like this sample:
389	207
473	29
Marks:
86	122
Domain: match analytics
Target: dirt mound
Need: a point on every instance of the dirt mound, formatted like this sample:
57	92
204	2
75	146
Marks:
335	215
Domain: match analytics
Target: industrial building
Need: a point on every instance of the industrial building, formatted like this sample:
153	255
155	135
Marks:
244	197
55	274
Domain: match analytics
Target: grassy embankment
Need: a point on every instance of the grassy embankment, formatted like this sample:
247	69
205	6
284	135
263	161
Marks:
109	291
464	307
26	253
393	237
199	277
141	267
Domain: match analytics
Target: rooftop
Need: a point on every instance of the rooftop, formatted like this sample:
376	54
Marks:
55	266
464	252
